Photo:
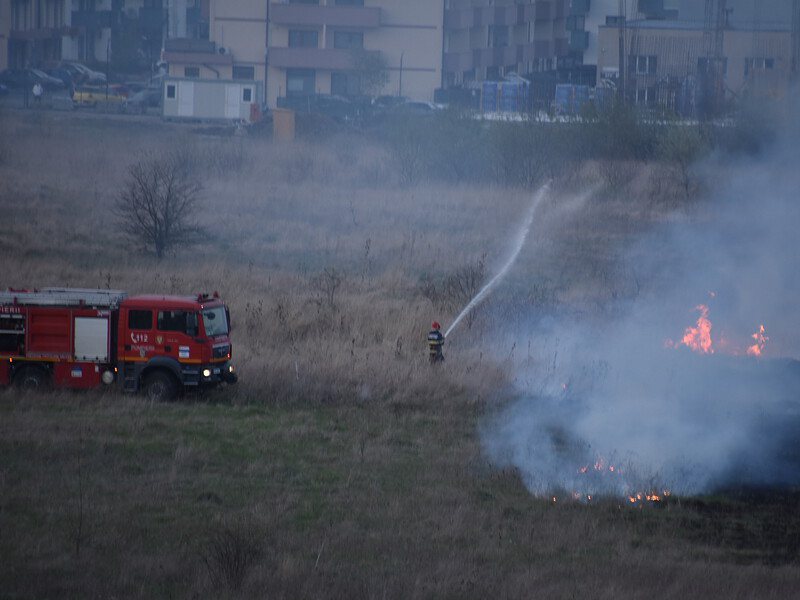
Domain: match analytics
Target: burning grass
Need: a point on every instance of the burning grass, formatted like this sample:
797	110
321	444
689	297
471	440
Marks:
342	465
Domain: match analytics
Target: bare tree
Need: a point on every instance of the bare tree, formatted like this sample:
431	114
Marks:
159	201
372	70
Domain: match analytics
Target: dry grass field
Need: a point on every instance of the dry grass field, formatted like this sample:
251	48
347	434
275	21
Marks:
342	465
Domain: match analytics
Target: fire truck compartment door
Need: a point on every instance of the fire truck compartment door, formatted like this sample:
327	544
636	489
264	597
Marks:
91	339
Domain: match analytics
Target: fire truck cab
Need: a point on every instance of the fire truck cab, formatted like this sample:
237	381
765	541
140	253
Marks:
79	338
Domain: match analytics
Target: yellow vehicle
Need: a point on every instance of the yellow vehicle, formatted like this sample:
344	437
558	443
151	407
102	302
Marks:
90	95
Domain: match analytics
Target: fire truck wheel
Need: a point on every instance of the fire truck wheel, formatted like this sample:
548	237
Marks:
32	378
160	386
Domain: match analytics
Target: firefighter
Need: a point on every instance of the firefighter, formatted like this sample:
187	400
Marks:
435	343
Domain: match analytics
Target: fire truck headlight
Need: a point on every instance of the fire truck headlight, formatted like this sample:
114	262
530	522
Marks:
107	377
206	372
231	369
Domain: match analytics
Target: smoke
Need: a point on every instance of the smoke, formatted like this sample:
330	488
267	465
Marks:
610	406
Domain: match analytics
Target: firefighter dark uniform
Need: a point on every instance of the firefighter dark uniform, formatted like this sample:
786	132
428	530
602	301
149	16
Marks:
435	343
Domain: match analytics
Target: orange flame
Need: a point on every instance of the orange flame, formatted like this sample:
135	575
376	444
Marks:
699	338
761	339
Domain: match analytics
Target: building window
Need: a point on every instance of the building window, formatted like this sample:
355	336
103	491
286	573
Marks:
241	72
348	40
349	2
300	82
498	36
705	64
644	65
303	1
345	84
193	72
247	94
301	38
140	319
758	64
171	92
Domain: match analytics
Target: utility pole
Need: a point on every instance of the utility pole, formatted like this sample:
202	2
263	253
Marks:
622	21
795	38
716	17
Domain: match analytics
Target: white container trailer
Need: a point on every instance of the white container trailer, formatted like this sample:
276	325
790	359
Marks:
212	99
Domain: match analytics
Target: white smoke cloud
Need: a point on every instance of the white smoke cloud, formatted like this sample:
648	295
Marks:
613	393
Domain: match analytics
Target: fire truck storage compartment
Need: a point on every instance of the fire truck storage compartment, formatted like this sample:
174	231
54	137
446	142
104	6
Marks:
77	375
12	333
49	333
91	339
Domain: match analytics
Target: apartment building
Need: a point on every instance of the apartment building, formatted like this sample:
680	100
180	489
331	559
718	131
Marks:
297	48
130	31
38	32
486	39
34	31
332	46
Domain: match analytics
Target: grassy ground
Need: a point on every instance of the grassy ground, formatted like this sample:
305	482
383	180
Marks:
342	465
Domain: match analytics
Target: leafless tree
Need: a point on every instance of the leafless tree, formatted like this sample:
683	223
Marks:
158	204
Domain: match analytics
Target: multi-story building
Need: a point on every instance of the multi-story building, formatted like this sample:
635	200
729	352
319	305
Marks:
337	46
486	39
343	47
36	29
38	32
664	62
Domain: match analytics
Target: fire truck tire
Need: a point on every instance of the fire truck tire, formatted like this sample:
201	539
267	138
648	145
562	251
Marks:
32	378
160	386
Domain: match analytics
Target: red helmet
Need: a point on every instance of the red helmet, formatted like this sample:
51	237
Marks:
436	325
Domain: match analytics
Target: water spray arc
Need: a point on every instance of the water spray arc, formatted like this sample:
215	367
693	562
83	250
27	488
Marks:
519	242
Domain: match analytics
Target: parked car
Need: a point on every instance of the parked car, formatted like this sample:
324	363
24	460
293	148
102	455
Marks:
23	78
63	75
142	100
90	95
83	74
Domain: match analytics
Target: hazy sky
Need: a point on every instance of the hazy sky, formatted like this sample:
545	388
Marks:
766	11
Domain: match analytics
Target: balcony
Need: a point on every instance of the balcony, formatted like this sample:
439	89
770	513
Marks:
495	57
315	15
504	15
455	62
326	59
580	7
578	41
92	19
43	33
459	18
543	11
152	18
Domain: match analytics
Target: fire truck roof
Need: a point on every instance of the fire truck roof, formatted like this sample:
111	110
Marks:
171	302
63	297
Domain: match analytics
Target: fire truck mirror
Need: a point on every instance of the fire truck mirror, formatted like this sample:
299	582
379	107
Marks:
228	319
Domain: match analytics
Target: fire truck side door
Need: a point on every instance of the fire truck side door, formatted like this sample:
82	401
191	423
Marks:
175	330
91	339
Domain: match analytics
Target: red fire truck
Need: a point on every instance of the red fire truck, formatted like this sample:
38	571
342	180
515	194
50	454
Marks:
79	338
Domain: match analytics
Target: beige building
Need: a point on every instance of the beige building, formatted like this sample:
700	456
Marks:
664	61
335	47
325	47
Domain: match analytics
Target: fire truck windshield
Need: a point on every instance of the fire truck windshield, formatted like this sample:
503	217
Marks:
215	321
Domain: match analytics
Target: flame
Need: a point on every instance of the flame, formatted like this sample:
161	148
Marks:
761	340
699	338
